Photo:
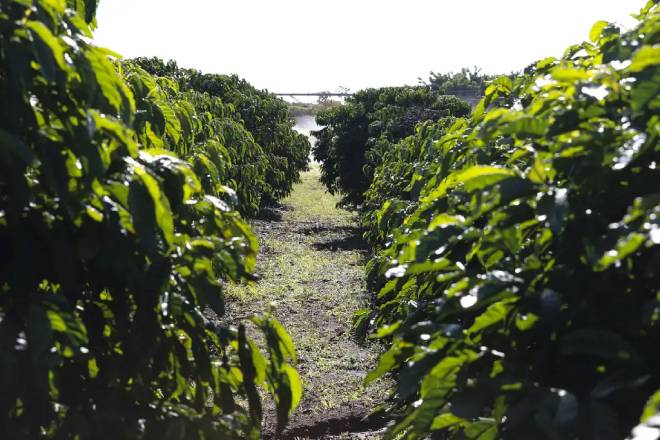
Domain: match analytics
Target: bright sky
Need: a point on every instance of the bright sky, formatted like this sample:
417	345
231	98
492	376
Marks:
315	45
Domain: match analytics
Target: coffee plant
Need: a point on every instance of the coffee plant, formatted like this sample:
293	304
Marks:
202	130
401	173
356	135
116	235
518	265
283	151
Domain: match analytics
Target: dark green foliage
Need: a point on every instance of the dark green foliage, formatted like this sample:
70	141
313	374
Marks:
262	114
84	8
268	119
111	247
403	170
202	130
357	134
520	290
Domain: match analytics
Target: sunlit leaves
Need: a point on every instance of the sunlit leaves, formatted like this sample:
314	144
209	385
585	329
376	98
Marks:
85	8
283	380
231	131
524	242
645	57
652	407
597	29
113	251
48	49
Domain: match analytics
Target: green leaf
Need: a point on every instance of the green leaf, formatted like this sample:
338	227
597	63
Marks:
444	421
110	86
645	57
652	407
11	143
259	363
386	331
526	127
53	55
161	206
526	322
481	430
443	220
597	29
285	339
569	74
625	247
546	62
172	123
494	314
295	386
56	322
474	178
86	8
209	291
92	368
288	395
386	362
444	373
250	375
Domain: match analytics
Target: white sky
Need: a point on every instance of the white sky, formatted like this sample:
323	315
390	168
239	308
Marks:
315	45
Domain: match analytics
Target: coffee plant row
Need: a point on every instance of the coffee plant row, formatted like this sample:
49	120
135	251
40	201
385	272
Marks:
517	257
118	226
281	151
358	133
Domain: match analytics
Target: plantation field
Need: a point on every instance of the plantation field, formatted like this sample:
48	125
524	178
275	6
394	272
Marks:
174	265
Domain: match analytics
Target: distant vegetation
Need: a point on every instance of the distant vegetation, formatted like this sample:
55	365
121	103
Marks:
310	109
465	82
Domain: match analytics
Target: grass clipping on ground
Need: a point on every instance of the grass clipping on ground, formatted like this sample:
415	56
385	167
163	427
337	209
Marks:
311	266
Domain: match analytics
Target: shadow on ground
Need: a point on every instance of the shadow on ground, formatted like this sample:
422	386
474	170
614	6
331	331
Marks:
345	243
328	237
335	423
273	213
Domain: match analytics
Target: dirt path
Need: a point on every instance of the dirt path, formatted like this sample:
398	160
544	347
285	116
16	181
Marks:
312	268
